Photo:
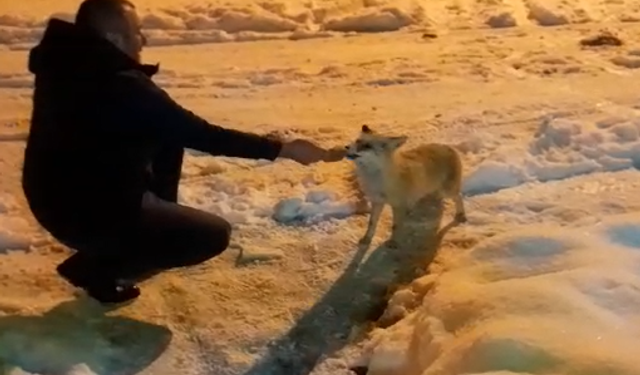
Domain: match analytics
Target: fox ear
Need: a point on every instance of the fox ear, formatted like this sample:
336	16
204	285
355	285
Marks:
366	129
396	142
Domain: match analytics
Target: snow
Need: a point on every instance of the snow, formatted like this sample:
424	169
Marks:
317	206
562	148
520	302
543	279
217	21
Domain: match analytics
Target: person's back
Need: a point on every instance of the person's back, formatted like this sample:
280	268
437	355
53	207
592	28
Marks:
77	159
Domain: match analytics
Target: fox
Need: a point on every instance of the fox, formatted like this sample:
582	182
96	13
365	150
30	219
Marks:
401	178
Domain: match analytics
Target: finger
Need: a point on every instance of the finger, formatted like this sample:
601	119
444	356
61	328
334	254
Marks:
334	156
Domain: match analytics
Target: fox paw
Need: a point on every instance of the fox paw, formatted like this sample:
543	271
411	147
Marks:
461	217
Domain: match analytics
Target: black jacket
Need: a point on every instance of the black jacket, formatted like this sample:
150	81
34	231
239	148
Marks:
98	122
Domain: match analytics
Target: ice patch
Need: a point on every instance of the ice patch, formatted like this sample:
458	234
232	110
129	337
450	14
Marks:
623	231
627	235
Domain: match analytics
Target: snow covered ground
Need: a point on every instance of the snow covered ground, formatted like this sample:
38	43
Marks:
544	279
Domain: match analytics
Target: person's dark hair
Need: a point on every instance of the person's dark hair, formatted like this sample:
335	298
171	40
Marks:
93	12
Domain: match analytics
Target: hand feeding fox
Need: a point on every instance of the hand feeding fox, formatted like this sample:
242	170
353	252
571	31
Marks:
402	178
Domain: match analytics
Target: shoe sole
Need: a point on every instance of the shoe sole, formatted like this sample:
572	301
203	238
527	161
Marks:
103	306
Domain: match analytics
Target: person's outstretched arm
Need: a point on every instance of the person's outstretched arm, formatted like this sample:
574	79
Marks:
136	102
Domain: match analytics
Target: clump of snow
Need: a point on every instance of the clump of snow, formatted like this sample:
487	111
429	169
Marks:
13	232
317	206
234	21
538	300
544	16
561	148
302	34
13	241
492	175
629	62
501	20
155	21
371	20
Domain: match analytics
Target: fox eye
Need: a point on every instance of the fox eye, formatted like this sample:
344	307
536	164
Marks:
363	146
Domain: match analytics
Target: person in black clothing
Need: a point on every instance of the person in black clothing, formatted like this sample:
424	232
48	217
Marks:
104	155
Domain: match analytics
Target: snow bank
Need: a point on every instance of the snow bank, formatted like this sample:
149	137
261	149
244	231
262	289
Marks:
543	300
561	148
372	20
217	21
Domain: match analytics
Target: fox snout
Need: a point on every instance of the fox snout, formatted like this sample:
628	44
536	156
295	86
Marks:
352	152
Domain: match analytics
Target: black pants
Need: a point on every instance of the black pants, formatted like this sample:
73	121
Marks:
167	235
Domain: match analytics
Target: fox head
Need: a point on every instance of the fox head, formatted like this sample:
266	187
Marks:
372	148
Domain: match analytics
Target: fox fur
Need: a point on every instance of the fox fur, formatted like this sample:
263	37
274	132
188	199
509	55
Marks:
401	178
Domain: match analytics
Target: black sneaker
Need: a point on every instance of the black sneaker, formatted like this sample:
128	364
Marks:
109	293
105	291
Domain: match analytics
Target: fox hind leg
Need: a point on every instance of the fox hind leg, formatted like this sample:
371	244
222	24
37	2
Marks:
374	218
453	191
461	216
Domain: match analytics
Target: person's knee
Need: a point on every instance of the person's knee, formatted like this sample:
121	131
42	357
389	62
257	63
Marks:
220	241
214	240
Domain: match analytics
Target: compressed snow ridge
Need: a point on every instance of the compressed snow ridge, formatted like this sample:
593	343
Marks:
540	300
561	148
215	21
209	23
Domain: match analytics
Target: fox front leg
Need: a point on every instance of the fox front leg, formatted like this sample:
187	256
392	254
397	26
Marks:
361	205
374	218
461	215
400	215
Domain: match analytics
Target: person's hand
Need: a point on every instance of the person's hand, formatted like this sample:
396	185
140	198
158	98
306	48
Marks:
335	154
306	152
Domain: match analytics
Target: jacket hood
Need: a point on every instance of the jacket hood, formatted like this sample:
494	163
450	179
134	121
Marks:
66	49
